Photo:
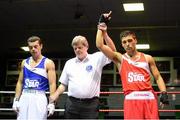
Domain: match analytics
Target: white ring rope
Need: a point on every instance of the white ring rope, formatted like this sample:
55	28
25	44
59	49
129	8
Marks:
13	92
10	109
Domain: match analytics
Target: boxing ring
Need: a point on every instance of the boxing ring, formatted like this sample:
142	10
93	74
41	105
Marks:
100	110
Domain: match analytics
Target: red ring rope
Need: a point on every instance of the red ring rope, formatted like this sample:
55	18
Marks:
120	110
115	92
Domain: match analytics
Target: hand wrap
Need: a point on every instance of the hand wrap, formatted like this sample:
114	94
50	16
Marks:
51	109
15	104
164	98
103	19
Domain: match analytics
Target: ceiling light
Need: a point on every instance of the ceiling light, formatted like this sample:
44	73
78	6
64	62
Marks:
133	6
142	46
25	48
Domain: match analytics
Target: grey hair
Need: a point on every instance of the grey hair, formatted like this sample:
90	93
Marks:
79	39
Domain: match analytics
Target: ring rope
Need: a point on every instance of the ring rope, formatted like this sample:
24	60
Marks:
101	110
120	110
13	92
113	92
10	109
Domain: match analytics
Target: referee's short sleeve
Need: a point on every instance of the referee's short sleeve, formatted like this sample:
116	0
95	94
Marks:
64	76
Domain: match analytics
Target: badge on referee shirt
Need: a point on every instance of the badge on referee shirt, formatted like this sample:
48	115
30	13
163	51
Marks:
89	68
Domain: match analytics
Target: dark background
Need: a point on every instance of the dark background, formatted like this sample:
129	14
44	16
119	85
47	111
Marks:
58	21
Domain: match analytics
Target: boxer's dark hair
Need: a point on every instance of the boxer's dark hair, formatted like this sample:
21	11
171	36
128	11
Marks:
34	38
127	33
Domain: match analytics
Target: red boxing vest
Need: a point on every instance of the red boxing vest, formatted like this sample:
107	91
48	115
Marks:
135	75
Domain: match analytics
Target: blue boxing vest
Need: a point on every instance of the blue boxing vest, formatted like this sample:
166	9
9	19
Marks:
35	78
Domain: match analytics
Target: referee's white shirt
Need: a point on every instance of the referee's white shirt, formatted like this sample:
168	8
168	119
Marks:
83	77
